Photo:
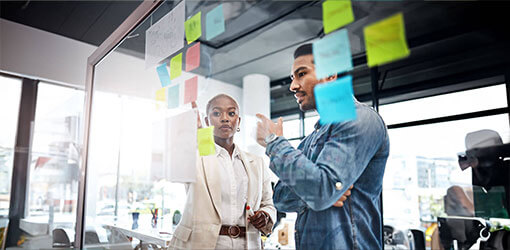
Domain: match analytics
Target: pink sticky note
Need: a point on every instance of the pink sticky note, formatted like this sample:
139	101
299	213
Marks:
193	57
190	90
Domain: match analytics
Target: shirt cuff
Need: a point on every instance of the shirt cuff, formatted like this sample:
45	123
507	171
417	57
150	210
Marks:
275	146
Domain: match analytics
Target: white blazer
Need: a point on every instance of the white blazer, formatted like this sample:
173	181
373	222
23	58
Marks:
200	224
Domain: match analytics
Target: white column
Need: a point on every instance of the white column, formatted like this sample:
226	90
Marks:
256	99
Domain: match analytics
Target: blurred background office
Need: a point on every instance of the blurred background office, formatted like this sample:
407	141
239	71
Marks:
83	137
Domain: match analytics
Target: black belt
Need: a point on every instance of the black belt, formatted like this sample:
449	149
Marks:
233	231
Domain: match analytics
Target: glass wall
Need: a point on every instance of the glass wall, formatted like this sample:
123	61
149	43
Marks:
423	172
10	94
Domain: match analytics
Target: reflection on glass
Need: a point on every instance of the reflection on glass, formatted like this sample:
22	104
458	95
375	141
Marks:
423	180
10	94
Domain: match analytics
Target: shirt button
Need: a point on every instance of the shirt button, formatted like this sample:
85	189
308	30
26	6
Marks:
338	185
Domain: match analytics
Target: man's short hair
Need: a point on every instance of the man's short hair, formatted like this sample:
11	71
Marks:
209	104
305	49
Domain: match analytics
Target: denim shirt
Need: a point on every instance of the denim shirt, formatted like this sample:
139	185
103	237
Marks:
316	174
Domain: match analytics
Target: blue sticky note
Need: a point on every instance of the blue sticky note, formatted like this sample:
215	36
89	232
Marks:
332	54
164	77
173	97
214	22
335	101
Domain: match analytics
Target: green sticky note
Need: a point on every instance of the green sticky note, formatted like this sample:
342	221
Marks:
336	14
193	27
205	140
176	66
385	41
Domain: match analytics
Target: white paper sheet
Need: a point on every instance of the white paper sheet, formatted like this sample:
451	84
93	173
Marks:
165	37
181	147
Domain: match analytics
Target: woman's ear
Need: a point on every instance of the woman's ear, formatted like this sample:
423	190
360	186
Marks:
239	123
206	121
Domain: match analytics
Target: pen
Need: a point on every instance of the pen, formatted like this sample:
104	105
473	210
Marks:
250	211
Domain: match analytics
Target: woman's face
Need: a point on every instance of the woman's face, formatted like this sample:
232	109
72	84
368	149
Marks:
224	116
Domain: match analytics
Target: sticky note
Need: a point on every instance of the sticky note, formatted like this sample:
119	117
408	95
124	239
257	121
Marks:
335	14
215	22
181	147
190	89
332	54
163	75
205	140
385	41
193	57
161	95
173	97
193	27
334	101
165	37
176	66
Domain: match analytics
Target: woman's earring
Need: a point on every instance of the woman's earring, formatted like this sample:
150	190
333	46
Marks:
238	129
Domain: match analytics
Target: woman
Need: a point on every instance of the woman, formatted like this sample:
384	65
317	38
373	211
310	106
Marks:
227	182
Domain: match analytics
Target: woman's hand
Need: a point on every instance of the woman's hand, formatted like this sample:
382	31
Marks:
260	219
194	106
340	202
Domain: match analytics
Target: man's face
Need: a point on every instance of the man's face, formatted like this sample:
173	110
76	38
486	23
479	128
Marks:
303	81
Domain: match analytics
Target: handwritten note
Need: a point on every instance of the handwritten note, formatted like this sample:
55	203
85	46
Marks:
335	101
173	97
205	139
385	41
193	57
181	146
332	54
335	14
215	22
176	66
163	75
193	27
190	90
165	37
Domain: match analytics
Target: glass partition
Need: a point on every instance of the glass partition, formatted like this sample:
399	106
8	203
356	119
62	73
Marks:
138	88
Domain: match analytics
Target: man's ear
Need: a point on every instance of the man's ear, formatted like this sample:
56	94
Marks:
206	121
331	78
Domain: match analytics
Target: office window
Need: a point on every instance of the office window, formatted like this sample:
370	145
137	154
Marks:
423	164
445	105
311	118
55	158
10	94
291	126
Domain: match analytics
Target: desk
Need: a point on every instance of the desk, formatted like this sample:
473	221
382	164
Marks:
146	236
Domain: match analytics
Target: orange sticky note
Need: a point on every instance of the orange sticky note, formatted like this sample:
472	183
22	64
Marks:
190	90
193	57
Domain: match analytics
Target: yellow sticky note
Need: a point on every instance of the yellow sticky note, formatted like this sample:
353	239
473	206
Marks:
335	14
176	66
193	27
205	139
161	95
385	41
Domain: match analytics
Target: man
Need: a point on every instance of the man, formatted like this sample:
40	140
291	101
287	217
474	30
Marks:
326	163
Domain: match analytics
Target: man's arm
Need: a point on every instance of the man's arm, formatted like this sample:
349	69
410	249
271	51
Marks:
342	160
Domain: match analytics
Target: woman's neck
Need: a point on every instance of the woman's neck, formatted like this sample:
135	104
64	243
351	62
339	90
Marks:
227	144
